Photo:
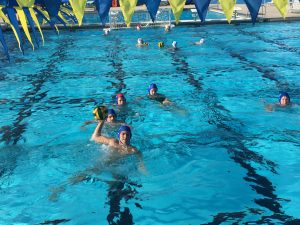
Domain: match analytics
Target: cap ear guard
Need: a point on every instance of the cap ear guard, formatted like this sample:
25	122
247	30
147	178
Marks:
119	96
282	94
124	128
151	86
100	112
111	112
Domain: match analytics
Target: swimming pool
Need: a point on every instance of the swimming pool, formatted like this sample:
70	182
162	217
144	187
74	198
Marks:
163	15
217	157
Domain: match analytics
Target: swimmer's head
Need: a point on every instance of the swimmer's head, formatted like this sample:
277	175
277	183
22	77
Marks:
152	89
111	115
120	99
106	31
201	41
140	41
174	44
138	27
124	134
284	99
167	27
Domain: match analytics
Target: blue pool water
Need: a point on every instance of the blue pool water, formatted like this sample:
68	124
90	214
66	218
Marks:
215	157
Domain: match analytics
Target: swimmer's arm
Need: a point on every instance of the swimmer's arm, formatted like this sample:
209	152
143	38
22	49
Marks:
166	101
97	137
269	107
88	123
141	167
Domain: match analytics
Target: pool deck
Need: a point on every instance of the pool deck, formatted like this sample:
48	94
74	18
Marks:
268	13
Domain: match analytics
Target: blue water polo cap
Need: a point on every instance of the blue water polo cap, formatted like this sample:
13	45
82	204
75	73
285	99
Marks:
151	86
119	96
111	112
124	128
282	94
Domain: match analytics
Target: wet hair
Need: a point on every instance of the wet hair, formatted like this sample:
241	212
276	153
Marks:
120	96
111	112
151	86
124	128
282	94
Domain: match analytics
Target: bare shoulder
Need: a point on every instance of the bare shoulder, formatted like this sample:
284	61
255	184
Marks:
134	150
113	142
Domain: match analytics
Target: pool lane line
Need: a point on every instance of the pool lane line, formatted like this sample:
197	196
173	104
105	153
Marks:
267	73
54	222
116	63
237	217
121	188
279	44
185	69
240	154
12	134
267	188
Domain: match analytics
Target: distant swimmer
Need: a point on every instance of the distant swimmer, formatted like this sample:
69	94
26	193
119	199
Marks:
201	42
153	95
284	101
138	27
174	45
167	28
120	99
111	116
141	43
106	31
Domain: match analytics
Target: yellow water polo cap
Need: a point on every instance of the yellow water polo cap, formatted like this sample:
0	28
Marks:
160	44
100	112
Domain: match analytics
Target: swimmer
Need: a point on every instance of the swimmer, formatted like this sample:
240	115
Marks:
141	43
167	28
138	27
119	148
120	99
174	45
283	102
121	145
106	31
111	118
153	95
201	42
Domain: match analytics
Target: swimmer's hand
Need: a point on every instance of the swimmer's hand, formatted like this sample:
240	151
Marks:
142	169
78	178
269	108
166	102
